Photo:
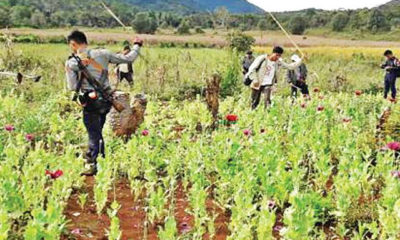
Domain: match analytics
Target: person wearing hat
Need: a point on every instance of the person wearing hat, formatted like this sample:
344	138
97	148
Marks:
392	68
125	70
297	78
247	61
263	74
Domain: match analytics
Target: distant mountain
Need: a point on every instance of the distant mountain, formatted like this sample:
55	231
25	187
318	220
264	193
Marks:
391	3
234	6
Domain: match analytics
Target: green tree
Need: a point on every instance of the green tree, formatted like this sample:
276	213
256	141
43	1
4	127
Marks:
20	15
240	41
38	19
144	23
297	25
184	28
340	21
4	17
377	21
262	24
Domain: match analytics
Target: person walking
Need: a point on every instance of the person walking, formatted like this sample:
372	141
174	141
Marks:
94	101
263	74
392	68
297	78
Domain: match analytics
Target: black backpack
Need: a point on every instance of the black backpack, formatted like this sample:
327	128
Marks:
247	81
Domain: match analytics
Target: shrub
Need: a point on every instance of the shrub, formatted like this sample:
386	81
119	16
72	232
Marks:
339	22
144	23
240	41
297	25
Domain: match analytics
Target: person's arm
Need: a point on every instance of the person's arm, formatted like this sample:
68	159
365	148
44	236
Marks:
290	66
121	58
71	70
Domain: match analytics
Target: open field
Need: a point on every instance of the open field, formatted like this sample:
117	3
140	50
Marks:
318	169
209	39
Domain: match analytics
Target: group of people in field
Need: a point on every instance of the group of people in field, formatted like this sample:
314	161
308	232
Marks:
87	66
261	75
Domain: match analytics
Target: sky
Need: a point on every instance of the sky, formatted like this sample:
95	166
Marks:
290	5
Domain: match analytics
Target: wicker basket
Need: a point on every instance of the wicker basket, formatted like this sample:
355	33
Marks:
125	123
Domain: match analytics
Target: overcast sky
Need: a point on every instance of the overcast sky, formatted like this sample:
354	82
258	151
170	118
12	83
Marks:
289	5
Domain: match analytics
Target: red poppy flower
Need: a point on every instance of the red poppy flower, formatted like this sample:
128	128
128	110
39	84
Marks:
29	137
393	100
262	131
316	90
358	92
320	108
9	128
346	120
145	132
303	105
231	118
247	132
54	175
394	146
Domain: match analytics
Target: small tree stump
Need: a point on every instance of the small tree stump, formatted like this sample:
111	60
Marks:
126	123
212	96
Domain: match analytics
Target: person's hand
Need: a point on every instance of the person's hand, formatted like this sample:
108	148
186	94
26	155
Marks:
138	41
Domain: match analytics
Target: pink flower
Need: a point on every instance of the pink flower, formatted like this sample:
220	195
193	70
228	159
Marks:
76	231
320	108
278	228
9	128
395	174
271	204
247	132
303	105
185	228
394	146
54	175
231	118
145	132
29	137
358	92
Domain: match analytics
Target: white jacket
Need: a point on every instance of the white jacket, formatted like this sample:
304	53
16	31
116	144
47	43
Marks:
257	76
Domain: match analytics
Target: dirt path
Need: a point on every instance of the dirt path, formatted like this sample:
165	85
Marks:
86	224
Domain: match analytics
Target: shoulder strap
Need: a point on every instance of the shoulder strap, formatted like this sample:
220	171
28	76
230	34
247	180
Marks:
259	66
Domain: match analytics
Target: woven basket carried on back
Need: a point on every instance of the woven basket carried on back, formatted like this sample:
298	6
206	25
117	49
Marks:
125	123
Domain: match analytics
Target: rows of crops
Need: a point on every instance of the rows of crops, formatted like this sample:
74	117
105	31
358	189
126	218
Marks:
299	170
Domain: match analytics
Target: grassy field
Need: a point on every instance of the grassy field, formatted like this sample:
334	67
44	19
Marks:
217	38
318	169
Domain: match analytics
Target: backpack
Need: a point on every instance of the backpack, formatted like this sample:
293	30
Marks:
247	81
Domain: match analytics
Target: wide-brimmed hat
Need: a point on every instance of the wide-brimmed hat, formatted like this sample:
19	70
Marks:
295	58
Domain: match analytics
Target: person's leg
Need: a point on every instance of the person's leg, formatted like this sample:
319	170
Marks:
294	92
267	96
387	87
255	98
92	121
393	87
129	78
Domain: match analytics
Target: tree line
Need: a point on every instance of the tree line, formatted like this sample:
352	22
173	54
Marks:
67	13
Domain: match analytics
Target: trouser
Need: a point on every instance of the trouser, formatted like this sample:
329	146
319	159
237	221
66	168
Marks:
390	85
302	86
127	76
256	96
94	123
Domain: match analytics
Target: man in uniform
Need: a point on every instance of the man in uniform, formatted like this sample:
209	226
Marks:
95	106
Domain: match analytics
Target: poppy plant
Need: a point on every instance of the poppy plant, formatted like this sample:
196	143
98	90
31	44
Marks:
320	108
358	92
394	146
247	132
9	128
303	105
54	175
262	131
145	132
29	137
231	118
316	90
346	120
321	97
395	174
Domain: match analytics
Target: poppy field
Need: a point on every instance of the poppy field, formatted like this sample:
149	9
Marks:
325	168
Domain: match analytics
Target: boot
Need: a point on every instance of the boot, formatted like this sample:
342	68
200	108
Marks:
92	171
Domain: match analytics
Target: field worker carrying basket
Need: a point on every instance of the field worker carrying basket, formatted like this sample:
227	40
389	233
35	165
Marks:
87	75
263	75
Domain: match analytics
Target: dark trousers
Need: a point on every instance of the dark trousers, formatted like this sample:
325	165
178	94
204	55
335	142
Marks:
127	76
390	85
302	86
256	96
94	123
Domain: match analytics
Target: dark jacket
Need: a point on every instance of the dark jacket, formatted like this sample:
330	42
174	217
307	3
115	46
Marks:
393	66
298	74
